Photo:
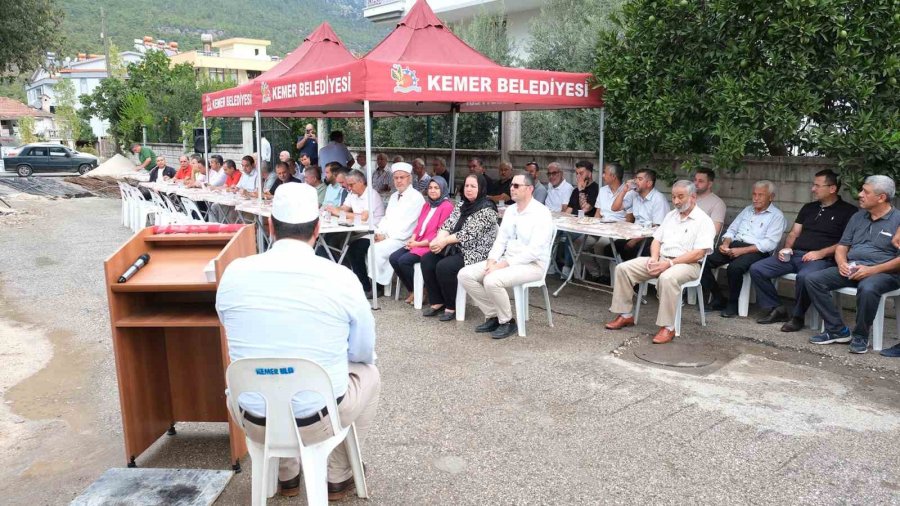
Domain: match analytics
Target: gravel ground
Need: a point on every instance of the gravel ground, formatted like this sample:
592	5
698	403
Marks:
567	415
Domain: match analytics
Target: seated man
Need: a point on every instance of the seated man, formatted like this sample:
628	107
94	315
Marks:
643	204
678	247
391	232
520	254
161	170
284	175
184	168
333	190
271	304
866	259
559	191
582	200
216	176
712	204
809	248
249	176
540	191
313	177
499	191
752	236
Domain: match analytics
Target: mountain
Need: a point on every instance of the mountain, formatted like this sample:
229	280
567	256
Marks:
284	22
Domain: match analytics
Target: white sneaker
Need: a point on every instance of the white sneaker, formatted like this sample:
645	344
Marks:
565	272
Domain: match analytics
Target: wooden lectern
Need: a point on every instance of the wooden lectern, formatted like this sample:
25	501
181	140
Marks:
171	351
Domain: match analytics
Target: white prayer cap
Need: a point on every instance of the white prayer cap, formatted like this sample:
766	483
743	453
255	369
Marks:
401	166
295	203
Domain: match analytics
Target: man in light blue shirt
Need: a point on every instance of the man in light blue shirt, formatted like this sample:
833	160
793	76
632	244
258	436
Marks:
273	305
334	192
752	236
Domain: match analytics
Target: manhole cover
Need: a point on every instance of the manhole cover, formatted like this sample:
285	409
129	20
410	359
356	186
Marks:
676	355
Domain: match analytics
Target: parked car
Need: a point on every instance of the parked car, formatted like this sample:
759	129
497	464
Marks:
46	157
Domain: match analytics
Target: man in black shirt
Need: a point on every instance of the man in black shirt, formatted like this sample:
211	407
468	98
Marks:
284	174
499	191
167	171
586	190
809	248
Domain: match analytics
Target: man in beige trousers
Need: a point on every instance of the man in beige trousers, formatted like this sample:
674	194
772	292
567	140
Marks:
679	244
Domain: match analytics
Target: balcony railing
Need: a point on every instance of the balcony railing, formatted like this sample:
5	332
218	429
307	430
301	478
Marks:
378	3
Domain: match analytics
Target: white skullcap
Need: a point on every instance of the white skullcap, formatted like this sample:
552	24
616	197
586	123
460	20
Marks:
401	166
295	203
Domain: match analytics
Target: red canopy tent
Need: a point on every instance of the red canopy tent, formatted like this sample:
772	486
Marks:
419	68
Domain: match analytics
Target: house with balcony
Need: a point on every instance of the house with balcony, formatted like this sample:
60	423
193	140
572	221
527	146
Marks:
237	59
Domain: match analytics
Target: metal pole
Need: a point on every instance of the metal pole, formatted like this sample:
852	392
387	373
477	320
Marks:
205	149
450	184
602	127
259	184
372	197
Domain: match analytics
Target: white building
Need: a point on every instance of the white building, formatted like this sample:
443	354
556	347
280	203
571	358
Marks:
85	72
518	15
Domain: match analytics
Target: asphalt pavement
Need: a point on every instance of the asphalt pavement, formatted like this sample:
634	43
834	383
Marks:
573	414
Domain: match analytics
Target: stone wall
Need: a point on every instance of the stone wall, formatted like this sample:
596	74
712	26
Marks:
173	151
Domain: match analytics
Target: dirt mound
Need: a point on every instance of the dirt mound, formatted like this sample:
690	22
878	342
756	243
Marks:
116	166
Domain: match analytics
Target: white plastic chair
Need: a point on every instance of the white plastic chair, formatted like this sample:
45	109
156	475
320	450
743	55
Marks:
193	212
277	380
140	209
748	294
520	297
418	286
812	318
126	204
878	322
694	283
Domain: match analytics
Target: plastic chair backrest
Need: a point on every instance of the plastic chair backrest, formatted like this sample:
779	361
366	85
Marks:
191	207
277	380
157	199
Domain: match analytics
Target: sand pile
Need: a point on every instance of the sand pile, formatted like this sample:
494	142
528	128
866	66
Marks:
116	166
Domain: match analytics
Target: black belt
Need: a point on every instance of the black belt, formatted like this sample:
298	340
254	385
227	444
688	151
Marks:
301	422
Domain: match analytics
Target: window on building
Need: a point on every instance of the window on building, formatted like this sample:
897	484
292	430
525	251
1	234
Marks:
83	84
256	52
217	75
253	74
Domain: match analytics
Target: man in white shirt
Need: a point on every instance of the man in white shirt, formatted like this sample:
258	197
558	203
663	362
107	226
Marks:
249	176
559	191
643	204
391	232
273	305
335	151
357	201
265	153
520	254
216	173
679	245
752	236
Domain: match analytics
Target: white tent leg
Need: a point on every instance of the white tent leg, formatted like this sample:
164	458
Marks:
259	185
372	196
602	128
450	183
205	145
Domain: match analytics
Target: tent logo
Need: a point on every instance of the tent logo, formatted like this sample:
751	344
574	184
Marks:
266	92
208	101
405	79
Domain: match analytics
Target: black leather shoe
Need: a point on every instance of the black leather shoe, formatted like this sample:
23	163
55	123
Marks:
290	488
505	330
777	315
338	491
716	305
729	312
489	325
793	325
430	311
447	317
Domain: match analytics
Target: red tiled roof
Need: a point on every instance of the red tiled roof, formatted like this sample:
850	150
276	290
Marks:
13	109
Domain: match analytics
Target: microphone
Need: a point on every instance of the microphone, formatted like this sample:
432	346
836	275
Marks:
136	266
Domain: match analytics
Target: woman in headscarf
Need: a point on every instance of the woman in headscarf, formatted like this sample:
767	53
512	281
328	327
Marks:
434	213
464	239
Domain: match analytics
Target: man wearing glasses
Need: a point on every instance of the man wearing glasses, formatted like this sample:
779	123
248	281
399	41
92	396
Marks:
559	191
520	254
809	247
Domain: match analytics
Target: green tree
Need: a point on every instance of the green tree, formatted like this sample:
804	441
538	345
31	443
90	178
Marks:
26	130
734	77
28	30
564	38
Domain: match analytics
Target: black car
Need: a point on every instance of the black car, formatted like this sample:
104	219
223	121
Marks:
31	158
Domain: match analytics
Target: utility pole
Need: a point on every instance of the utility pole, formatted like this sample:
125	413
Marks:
105	38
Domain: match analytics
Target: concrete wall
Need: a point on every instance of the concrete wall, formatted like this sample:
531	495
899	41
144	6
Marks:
173	151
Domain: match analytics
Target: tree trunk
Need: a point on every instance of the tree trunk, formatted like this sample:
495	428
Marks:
775	147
